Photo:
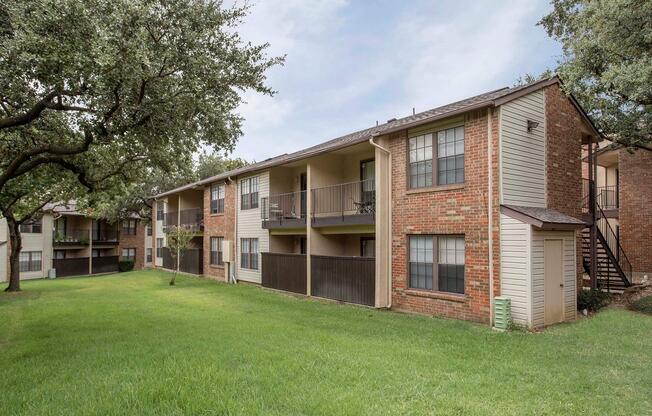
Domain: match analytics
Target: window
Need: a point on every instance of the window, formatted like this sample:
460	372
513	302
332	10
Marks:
249	253
30	261
129	254
216	251
33	226
447	155
249	193
160	211
59	254
149	230
129	227
96	253
450	156
367	246
148	255
217	198
447	274
159	248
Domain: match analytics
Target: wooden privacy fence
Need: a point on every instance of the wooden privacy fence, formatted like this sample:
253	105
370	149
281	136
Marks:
349	279
71	267
106	264
284	271
192	260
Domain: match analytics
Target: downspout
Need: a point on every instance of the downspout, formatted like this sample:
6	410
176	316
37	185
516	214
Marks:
389	240
231	277
490	213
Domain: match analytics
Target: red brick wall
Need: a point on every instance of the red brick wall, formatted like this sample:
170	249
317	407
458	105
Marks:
453	211
218	225
564	131
635	214
134	241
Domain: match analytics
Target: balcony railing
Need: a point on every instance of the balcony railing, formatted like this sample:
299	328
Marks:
71	237
105	236
352	203
284	210
606	196
188	218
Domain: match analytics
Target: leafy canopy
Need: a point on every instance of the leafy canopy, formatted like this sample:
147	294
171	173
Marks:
607	63
111	89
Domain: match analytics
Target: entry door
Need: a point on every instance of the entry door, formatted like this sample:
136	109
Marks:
554	281
367	176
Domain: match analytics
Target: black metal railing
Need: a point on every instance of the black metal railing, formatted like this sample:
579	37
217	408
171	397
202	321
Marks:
188	218
613	244
606	196
105	236
288	207
74	236
345	199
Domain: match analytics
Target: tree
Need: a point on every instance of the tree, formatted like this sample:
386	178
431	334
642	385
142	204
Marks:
211	164
21	201
131	85
607	62
178	241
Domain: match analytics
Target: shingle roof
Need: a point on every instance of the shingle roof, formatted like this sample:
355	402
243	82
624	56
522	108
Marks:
540	217
475	102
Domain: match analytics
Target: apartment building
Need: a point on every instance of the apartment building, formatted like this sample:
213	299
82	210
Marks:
65	240
436	213
622	180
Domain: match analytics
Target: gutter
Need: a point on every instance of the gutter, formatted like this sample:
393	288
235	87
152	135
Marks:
389	240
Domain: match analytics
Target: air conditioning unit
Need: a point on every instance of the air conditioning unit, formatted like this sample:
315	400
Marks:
502	313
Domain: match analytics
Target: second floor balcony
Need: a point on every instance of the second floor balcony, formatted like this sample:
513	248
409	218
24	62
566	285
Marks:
352	203
71	237
284	210
105	236
192	219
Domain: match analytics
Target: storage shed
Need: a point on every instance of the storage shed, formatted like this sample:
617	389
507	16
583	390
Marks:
538	264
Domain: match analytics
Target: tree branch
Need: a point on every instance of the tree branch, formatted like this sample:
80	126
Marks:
31	115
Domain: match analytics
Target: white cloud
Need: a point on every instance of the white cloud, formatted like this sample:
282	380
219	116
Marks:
349	64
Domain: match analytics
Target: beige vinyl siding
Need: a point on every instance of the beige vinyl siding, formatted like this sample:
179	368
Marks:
522	154
159	233
514	267
538	289
250	226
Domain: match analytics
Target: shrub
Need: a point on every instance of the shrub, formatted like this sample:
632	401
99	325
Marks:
593	300
643	305
125	265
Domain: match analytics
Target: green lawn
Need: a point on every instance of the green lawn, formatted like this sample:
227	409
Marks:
130	344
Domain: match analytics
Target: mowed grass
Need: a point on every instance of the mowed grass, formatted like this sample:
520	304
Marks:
130	344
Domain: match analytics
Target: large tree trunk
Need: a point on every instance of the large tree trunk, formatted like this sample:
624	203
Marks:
16	244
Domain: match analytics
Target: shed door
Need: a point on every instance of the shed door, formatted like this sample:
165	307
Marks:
554	281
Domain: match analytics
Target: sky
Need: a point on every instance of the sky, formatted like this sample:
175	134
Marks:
352	63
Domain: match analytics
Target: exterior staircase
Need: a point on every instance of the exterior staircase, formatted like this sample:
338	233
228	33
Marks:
614	271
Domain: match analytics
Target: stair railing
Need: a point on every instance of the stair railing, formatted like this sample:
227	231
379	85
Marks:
613	243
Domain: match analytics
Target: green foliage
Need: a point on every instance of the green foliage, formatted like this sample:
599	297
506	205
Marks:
643	305
607	62
530	78
115	345
213	164
592	300
95	95
178	240
125	265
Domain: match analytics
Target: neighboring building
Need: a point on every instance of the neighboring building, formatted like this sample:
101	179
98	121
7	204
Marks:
73	244
623	201
435	213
